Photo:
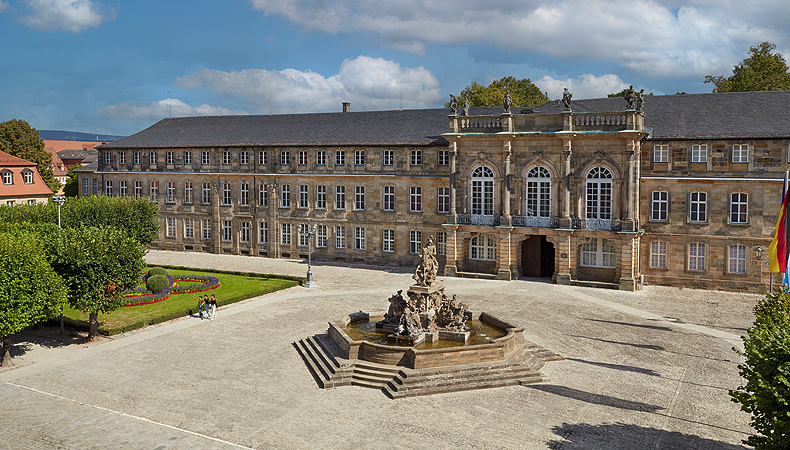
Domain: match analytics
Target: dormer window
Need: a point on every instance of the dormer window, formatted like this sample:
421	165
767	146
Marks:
8	177
27	175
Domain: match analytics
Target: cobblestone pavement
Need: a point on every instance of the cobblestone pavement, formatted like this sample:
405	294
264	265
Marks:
649	369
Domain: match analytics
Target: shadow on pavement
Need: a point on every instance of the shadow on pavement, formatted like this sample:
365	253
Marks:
45	337
597	399
645	346
652	327
620	436
634	369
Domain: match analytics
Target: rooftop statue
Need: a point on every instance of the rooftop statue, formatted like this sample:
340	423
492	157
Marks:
467	105
507	101
453	105
640	100
566	99
630	97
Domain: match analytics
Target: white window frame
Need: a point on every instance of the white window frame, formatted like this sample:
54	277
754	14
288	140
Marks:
415	242
304	196
226	158
285	158
320	236
659	206
152	158
226	195
205	158
262	159
736	261
285	195
170	227
340	236
599	252
538	195
739	208
340	197
415	199
443	200
388	198
188	192
206	229
136	158
138	189
441	242
415	158
696	258
227	230
482	191
169	159
443	158
698	207
122	188
699	153
658	254
359	238
263	232
244	157
285	234
122	158
661	153
359	157
187	157
189	229
388	241
340	158
482	247
263	195
320	158
388	158
245	232
27	176
170	192
205	194
154	190
359	198
108	188
107	158
302	157
740	153
244	194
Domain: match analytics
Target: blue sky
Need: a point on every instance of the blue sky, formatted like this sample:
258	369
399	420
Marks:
116	67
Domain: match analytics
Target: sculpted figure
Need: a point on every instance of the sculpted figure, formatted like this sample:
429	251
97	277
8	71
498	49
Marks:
630	97
566	99
467	105
397	306
453	105
507	101
426	270
640	100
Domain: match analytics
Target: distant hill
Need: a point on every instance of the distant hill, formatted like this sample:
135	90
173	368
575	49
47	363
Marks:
58	135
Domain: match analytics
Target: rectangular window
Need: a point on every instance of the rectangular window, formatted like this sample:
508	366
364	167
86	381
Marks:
95	186
285	158
262	157
138	189
340	236
170	194
340	197
740	153
359	157
698	207
415	199
263	195
206	193
226	157
443	200
441	243
244	158
285	195
204	158
108	188
320	197
340	158
169	160
320	158
389	198
737	260
415	242
170	227
658	254
122	190
226	230
739	207
599	253
226	194
286	234
244	194
245	232
136	158
302	157
152	158
660	153
699	153
189	229
85	186
359	198
416	157
263	232
359	238
304	235
188	192
107	158
122	158
303	195
696	256
482	247
155	191
187	157
28	176
443	158
388	158
206	229
660	206
388	241
320	236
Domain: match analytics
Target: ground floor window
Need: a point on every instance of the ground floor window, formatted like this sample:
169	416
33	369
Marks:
441	243
286	234
189	230
696	256
658	254
263	232
415	242
171	227
320	236
340	236
245	232
388	241
482	247
737	259
359	238
206	229
599	253
227	231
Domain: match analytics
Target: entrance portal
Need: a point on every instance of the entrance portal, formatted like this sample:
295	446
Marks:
537	257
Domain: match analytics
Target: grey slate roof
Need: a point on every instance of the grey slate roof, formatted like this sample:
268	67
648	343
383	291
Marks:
687	116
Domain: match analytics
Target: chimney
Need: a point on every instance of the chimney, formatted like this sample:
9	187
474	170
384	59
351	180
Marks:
346	107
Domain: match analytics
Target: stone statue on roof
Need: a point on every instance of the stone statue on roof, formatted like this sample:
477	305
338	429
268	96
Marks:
507	102
467	105
453	105
566	99
630	97
640	100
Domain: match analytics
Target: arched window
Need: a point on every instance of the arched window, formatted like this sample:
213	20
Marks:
482	247
599	194
483	191
599	253
538	192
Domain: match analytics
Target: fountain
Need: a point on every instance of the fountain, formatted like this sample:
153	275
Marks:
425	344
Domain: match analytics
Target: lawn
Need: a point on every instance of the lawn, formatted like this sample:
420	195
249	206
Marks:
232	288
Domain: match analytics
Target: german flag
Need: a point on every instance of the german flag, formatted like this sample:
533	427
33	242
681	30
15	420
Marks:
780	247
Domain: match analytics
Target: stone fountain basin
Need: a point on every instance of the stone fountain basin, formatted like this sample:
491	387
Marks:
496	350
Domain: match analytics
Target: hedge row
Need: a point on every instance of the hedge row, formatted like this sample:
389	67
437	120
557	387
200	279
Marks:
301	280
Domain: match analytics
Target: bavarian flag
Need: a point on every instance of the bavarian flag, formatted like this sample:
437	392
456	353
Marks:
780	247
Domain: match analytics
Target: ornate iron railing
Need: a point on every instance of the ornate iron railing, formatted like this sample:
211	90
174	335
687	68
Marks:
535	222
477	219
596	224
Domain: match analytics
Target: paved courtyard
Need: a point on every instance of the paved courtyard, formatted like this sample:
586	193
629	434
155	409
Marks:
644	370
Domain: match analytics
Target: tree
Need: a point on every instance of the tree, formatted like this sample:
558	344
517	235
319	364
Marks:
523	92
30	290
622	93
766	369
71	189
97	264
19	139
762	71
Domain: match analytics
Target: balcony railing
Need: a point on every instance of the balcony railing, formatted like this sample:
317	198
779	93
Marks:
482	124
597	120
535	222
596	224
477	219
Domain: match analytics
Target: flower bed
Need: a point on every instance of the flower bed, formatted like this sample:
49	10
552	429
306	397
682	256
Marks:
198	284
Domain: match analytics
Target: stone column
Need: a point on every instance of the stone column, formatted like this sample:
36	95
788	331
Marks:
216	241
565	220
504	256
628	262
505	217
451	265
453	165
630	188
274	223
564	257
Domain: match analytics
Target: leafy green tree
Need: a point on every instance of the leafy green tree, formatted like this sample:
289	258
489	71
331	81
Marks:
762	71
30	290
622	93
71	189
523	92
97	265
766	369
19	139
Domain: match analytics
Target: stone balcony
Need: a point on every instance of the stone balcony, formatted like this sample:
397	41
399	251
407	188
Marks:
576	223
568	121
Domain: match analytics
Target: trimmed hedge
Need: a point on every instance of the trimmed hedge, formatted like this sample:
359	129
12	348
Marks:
157	271
301	280
157	283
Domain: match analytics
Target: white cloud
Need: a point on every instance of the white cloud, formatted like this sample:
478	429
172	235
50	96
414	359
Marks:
64	15
655	37
3	6
161	109
368	83
583	86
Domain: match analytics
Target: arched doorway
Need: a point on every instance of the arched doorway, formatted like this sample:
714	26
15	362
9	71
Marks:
537	257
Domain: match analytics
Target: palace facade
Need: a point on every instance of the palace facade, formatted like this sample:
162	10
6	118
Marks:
679	193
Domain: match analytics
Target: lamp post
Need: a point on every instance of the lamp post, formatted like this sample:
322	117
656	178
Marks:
59	200
309	229
758	251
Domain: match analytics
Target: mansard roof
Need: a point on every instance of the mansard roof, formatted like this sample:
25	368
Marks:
684	116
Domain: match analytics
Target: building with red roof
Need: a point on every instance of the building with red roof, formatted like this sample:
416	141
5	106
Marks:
20	182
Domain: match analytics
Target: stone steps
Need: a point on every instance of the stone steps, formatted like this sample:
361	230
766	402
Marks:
377	377
482	276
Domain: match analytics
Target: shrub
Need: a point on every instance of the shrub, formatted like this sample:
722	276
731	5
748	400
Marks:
157	283
157	271
766	369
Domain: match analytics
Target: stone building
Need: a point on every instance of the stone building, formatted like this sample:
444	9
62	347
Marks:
679	192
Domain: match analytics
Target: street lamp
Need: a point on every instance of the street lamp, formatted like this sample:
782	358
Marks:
758	251
59	200
309	230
